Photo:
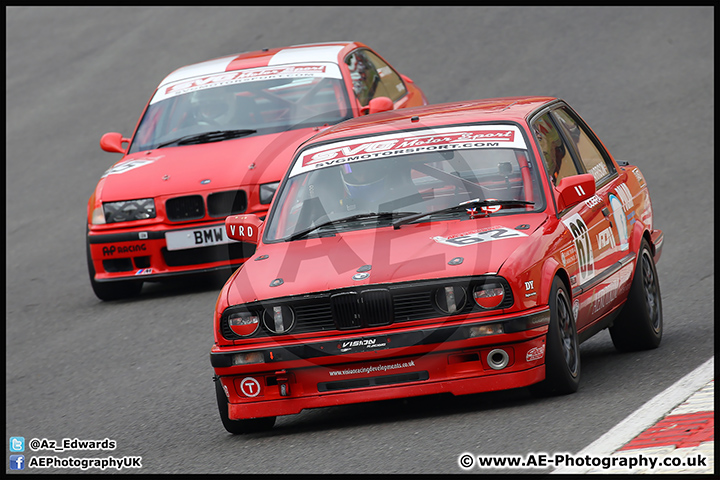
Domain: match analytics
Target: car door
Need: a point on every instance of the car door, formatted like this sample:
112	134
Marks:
609	208
583	222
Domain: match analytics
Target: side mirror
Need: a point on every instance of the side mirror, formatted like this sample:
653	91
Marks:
112	142
573	190
244	228
377	105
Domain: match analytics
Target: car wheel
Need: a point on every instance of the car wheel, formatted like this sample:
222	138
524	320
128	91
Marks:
562	356
111	290
640	324
239	427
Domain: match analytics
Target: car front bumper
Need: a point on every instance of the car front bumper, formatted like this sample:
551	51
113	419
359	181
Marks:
413	362
143	253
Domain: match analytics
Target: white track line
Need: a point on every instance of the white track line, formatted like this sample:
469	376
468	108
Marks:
646	416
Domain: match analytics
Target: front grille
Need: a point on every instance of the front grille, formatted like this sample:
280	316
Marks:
368	306
222	204
346	310
180	209
376	307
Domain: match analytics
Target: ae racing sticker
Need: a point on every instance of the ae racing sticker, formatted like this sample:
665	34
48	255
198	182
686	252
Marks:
583	247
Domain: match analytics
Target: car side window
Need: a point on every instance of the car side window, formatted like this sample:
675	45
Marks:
590	156
372	77
556	155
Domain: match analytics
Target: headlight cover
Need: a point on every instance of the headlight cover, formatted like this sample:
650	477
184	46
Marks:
242	323
129	210
489	295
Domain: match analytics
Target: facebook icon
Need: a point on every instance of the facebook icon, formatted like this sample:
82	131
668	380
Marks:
17	462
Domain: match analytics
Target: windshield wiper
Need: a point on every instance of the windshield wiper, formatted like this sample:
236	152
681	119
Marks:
352	218
207	137
463	206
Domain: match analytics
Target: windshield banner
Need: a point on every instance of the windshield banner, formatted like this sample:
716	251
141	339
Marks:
405	143
184	86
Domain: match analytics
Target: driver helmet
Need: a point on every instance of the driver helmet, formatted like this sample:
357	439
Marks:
364	180
211	104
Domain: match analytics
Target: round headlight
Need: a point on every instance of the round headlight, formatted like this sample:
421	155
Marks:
489	295
243	323
279	319
450	299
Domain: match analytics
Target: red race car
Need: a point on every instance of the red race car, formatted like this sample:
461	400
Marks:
214	140
460	248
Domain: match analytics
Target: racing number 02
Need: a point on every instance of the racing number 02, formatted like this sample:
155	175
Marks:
581	235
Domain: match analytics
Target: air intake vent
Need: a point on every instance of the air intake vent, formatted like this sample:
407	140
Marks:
376	307
185	208
346	310
222	204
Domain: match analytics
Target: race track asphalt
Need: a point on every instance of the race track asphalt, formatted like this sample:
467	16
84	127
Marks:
138	371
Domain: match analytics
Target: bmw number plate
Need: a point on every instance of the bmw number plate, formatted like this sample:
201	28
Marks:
199	237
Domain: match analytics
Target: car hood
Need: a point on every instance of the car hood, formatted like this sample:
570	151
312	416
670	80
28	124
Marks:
413	252
212	166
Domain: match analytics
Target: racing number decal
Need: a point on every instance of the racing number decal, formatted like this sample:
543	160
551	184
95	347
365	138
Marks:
478	237
250	387
581	235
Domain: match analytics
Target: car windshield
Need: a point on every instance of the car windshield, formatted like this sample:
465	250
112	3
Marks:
401	178
245	102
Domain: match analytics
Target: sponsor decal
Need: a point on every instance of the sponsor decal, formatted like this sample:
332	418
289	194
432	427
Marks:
129	165
593	201
569	256
372	368
606	238
250	387
576	308
535	353
583	246
442	139
599	171
112	249
624	193
603	296
639	176
620	221
530	289
250	75
473	238
360	345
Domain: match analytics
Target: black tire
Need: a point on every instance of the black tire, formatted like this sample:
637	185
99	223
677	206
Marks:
239	427
562	353
111	290
640	323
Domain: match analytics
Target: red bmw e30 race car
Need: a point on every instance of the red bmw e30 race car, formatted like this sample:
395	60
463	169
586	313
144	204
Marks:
215	139
463	248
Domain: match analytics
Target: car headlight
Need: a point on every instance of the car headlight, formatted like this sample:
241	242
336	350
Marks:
489	295
267	190
243	323
129	210
279	319
450	299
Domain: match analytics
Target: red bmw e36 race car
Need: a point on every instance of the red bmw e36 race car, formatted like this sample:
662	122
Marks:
463	248
215	139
